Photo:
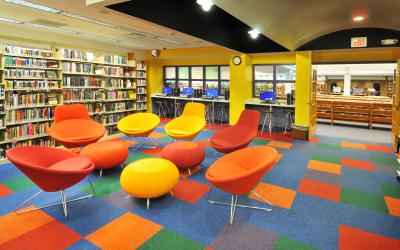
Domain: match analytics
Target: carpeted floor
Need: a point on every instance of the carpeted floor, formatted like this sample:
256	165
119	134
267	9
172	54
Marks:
328	194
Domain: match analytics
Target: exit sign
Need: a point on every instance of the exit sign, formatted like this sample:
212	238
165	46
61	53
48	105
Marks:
358	42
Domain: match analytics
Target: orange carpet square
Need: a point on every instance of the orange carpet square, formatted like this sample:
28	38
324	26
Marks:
353	145
378	148
203	143
53	235
315	140
354	239
320	190
183	173
129	231
153	151
364	165
161	126
325	166
278	144
4	190
14	225
157	135
278	196
190	191
393	206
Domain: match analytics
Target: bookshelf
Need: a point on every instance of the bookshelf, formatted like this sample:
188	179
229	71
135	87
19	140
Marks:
34	81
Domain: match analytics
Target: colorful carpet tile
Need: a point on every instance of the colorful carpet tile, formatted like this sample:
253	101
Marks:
329	193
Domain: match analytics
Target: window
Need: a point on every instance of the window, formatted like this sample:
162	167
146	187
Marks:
276	78
198	77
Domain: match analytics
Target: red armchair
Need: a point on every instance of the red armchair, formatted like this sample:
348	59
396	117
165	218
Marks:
52	169
239	172
239	135
73	126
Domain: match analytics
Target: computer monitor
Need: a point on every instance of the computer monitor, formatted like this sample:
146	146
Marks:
337	89
358	90
212	93
167	90
267	96
187	91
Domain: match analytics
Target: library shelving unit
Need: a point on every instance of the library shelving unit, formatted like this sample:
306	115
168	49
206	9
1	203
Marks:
34	81
141	84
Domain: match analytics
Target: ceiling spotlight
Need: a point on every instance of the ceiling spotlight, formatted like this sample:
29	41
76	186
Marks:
358	18
205	4
254	33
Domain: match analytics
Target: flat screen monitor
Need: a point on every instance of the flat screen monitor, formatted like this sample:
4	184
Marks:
167	90
358	90
267	96
212	93
187	91
337	89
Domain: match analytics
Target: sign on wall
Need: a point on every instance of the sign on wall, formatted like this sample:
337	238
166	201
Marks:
359	42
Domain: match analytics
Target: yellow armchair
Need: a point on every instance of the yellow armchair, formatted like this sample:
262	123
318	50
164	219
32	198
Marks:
189	124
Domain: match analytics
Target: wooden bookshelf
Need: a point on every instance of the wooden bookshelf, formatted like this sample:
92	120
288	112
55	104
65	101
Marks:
106	83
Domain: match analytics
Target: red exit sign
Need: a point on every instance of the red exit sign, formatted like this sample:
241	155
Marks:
358	42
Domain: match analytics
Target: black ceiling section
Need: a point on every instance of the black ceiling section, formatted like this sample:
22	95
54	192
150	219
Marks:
186	16
342	39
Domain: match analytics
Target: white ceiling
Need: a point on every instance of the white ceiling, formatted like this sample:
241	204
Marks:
381	69
95	11
293	23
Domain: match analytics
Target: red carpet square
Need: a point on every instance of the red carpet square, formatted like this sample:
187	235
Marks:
190	191
157	135
184	173
203	143
356	239
320	190
364	165
393	206
278	196
4	190
52	235
129	231
153	151
378	148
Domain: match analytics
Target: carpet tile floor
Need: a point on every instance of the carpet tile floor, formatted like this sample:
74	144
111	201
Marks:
330	193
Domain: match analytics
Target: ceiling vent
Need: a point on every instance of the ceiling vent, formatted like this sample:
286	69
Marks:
48	23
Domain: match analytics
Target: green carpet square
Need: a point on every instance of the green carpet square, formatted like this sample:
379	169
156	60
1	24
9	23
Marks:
326	158
166	139
329	146
103	186
137	156
283	243
384	160
260	141
19	184
391	190
363	199
167	239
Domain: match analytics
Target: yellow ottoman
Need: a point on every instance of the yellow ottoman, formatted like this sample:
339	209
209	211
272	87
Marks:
149	178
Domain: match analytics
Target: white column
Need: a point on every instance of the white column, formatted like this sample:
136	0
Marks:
347	81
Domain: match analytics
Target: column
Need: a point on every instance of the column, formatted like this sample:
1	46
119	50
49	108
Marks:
347	81
303	84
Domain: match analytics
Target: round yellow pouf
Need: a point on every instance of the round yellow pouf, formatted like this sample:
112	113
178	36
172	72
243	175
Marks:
149	178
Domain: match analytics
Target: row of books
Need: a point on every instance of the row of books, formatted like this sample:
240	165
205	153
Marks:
72	67
81	95
141	106
94	107
17	84
20	51
11	61
112	118
141	82
108	107
25	130
38	142
2	122
1	93
15	116
110	71
31	73
113	59
141	74
115	94
141	91
117	83
141	98
18	99
77	55
141	66
78	81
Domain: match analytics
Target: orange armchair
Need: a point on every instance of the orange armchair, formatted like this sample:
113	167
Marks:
73	126
239	135
52	169
239	172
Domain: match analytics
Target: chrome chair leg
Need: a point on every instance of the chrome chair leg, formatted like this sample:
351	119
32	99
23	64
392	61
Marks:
64	201
148	204
233	208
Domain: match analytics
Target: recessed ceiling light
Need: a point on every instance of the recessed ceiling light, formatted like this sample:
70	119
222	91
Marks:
33	6
2	19
205	4
358	18
165	39
254	33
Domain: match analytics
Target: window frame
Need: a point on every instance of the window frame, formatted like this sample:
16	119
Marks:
274	80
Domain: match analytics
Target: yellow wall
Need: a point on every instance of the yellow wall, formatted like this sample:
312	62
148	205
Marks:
303	80
357	55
